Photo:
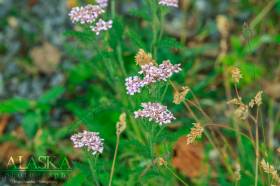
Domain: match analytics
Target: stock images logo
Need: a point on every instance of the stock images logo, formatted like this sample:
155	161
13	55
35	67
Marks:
36	169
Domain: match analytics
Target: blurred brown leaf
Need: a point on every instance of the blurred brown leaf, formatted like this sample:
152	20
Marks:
9	149
19	134
3	123
72	3
188	158
46	57
272	89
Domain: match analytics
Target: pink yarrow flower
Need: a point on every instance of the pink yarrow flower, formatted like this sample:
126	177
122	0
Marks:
155	112
101	25
151	74
102	3
133	85
164	71
91	140
86	14
173	3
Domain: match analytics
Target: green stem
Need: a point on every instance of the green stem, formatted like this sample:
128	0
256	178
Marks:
262	14
174	174
92	167
257	150
113	8
114	160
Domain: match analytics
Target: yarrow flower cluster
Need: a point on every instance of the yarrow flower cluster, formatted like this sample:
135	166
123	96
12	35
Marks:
85	15
102	3
101	25
91	140
88	15
155	112
173	3
152	74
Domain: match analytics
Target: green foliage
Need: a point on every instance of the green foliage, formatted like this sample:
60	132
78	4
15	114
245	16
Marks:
93	96
15	105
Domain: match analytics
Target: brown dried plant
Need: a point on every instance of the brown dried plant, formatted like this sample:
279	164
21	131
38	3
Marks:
269	169
180	94
143	58
195	133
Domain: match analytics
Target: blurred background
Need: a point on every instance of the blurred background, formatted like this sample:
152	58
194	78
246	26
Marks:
50	87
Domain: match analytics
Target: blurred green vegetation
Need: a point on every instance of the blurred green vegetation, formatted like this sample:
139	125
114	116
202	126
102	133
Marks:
41	108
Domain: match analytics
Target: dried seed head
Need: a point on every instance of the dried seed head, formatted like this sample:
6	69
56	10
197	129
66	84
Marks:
91	140
86	14
196	132
160	162
223	25
242	112
237	175
173	3
121	125
236	74
258	98
143	58
235	101
155	112
179	95
252	103
269	169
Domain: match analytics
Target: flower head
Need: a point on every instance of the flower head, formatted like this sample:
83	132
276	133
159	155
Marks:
133	84
102	3
173	3
91	140
155	112
101	25
86	14
152	74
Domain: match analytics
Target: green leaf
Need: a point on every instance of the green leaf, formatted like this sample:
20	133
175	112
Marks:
80	73
15	105
30	123
76	180
140	13
169	42
136	39
52	95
